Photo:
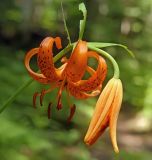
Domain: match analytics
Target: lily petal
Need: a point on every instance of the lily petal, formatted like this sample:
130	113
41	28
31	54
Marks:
115	108
36	76
77	62
74	91
45	59
102	109
103	127
97	77
99	107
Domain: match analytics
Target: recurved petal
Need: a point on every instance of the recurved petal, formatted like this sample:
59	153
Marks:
38	77
74	91
45	59
115	108
77	62
58	42
97	76
100	105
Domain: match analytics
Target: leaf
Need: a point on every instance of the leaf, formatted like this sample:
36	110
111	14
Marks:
103	45
83	9
65	24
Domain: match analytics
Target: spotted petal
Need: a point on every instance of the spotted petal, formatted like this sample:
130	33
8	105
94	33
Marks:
77	62
97	77
74	91
45	59
36	76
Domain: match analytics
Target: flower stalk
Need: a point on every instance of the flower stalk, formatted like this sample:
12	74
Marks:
108	56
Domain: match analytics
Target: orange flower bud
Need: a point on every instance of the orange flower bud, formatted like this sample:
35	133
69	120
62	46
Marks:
106	113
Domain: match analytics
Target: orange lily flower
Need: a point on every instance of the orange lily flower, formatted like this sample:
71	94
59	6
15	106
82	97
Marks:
45	61
94	83
106	113
69	75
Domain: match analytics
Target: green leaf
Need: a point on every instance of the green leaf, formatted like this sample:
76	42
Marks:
83	9
103	45
65	24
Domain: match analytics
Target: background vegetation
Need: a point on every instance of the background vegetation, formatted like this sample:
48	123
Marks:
26	133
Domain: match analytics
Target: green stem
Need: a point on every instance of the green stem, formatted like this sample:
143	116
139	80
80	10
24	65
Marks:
17	92
63	52
114	63
26	84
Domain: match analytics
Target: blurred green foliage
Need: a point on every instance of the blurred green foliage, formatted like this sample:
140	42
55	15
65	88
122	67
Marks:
26	133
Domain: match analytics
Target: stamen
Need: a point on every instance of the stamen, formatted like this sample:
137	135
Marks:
59	104
42	96
72	111
49	110
34	99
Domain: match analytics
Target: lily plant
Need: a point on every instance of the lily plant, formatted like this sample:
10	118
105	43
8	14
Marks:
69	77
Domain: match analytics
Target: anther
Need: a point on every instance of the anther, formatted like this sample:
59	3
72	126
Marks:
34	99
59	104
72	111
49	110
42	96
